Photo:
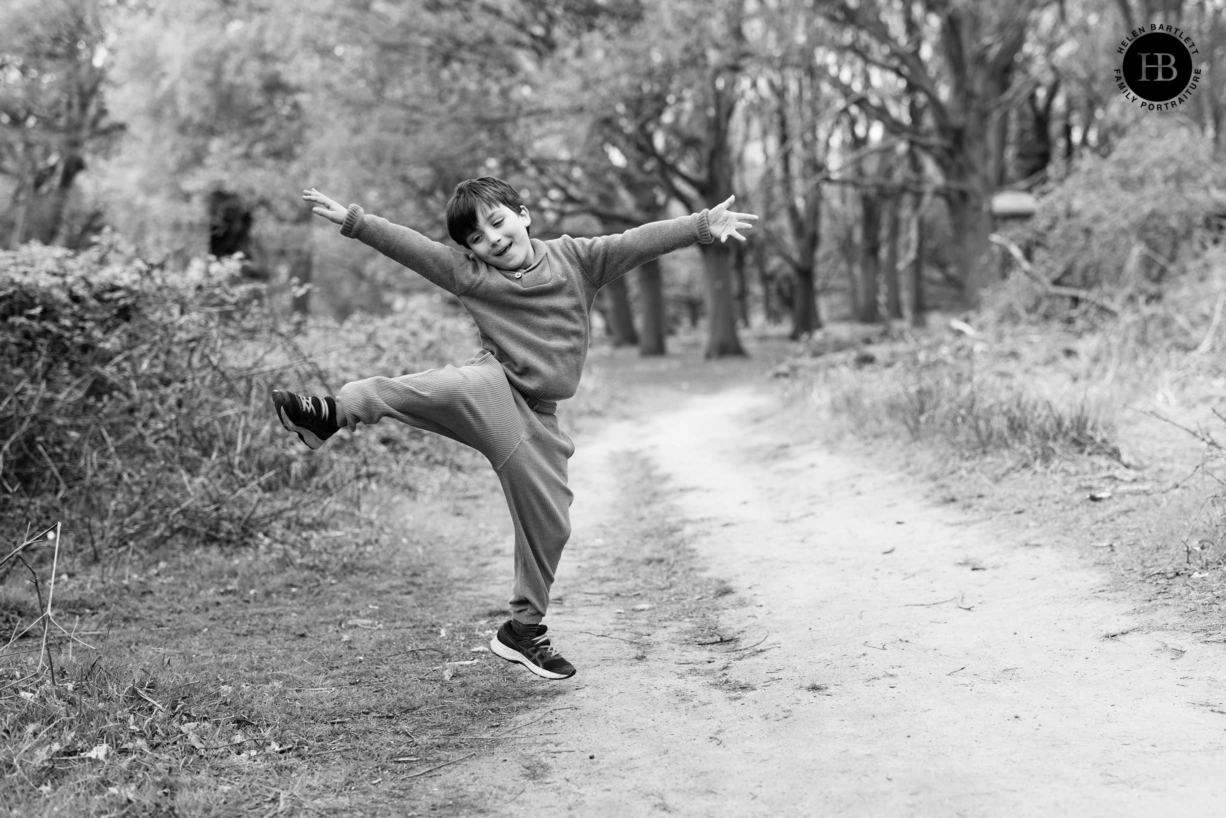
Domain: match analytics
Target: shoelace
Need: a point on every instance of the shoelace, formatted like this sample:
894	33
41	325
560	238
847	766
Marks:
542	646
307	406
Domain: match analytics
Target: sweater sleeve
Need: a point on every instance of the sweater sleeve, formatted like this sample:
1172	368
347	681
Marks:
436	262
606	258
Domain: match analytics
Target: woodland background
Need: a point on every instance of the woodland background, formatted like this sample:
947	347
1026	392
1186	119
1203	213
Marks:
969	241
871	136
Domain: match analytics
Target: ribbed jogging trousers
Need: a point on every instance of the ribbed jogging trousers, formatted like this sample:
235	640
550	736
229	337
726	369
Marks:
476	405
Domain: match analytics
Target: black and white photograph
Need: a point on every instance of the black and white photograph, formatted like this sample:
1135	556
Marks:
613	408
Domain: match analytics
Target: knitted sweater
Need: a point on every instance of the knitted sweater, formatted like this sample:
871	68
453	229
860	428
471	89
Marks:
534	321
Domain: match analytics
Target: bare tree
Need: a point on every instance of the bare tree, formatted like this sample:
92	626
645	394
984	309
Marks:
52	111
960	56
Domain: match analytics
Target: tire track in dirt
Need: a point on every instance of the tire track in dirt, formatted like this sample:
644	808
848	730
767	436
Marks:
905	660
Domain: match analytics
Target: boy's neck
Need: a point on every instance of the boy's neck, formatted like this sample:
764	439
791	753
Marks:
528	262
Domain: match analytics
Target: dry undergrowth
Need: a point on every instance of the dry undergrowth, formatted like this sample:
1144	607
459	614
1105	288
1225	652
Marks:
1107	435
332	674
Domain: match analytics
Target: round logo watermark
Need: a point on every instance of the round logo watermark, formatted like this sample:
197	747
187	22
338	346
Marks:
1157	71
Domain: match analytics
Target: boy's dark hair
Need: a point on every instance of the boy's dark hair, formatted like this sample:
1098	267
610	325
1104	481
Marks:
470	198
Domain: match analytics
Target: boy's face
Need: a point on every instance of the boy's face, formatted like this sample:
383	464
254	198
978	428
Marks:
500	238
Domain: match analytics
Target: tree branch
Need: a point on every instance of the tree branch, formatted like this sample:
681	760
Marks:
1048	287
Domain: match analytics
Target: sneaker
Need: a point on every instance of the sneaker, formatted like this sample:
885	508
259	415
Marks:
312	419
533	652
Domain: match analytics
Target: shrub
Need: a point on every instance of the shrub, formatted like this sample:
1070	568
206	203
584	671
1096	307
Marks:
1121	222
942	393
134	402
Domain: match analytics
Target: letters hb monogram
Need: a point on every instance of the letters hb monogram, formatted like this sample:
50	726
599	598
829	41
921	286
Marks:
1163	64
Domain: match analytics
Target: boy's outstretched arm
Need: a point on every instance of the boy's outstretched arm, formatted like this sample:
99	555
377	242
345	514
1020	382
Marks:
432	260
724	222
608	257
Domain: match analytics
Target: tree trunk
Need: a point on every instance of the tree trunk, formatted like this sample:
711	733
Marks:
805	316
621	317
971	224
915	273
44	212
769	307
741	282
893	282
870	259
651	292
722	340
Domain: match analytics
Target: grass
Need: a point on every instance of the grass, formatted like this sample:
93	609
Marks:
330	674
956	395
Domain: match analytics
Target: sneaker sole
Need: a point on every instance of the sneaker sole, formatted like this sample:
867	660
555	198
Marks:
308	437
511	655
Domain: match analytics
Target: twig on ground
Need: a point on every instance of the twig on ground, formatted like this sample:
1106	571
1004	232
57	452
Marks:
607	636
145	696
754	645
928	604
719	640
440	766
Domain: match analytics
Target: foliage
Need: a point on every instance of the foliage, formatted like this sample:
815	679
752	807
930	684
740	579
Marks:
1122	222
53	116
958	396
951	403
135	405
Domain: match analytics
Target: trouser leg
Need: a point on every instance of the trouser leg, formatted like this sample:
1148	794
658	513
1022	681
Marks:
473	404
534	482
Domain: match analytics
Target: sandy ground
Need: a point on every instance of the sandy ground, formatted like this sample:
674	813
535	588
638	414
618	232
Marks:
880	654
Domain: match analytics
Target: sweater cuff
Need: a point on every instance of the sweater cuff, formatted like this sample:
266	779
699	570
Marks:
351	220
704	228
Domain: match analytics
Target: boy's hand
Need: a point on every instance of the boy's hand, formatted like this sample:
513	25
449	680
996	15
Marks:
725	223
325	207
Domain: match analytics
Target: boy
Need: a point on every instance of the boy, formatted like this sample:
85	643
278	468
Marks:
531	300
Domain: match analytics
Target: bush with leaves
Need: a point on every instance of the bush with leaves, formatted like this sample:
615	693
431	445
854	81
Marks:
1121	223
134	401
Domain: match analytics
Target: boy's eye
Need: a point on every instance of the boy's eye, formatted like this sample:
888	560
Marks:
474	239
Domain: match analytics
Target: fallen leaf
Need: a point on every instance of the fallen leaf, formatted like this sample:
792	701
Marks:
100	752
138	744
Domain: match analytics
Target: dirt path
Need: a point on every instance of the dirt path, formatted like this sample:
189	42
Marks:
877	655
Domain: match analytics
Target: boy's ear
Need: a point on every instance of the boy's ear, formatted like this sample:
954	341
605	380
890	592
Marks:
525	216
